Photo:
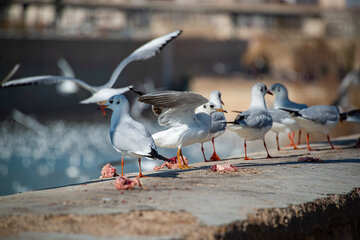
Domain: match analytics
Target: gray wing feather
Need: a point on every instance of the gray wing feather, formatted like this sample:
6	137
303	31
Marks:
176	107
47	80
278	115
321	113
254	119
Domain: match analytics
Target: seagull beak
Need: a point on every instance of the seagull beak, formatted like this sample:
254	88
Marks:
221	110
269	92
102	108
222	102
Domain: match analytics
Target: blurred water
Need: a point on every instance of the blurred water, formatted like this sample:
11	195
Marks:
62	152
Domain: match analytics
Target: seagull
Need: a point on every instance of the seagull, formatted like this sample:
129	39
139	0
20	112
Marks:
100	94
282	101
254	123
218	124
319	118
176	110
351	80
127	136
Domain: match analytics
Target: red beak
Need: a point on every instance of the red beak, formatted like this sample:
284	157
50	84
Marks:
222	102
102	108
269	92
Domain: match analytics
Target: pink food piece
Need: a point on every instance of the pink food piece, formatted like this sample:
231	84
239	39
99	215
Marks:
108	171
171	165
309	159
125	183
223	168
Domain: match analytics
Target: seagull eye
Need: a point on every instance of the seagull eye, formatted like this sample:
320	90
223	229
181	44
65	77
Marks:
212	106
111	101
204	106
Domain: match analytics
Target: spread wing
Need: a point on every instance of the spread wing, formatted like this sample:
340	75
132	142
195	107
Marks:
47	80
144	52
174	108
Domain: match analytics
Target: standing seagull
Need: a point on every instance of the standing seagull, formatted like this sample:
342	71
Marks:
254	123
218	124
101	94
127	136
282	101
320	118
176	110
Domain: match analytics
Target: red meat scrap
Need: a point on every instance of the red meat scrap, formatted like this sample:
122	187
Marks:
125	183
108	171
171	165
309	159
223	168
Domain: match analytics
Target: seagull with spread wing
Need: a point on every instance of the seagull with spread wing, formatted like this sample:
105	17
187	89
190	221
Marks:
176	110
100	94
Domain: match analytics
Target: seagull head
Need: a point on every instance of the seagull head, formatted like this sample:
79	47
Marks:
215	97
116	102
260	89
279	90
210	107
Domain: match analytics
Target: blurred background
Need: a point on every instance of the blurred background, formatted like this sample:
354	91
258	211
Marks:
48	139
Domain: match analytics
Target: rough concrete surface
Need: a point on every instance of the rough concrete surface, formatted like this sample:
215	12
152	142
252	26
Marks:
268	198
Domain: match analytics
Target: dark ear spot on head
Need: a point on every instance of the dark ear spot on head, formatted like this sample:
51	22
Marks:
118	102
111	101
204	106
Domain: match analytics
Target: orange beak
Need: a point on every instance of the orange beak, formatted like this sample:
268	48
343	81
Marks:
221	110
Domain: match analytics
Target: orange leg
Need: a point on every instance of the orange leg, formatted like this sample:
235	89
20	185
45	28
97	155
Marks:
246	158
183	159
214	157
122	166
308	141
202	149
140	173
179	159
291	138
292	141
268	155
332	146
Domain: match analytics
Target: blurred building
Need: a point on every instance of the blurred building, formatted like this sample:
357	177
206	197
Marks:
216	19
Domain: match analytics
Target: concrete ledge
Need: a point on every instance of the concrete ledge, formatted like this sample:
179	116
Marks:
280	198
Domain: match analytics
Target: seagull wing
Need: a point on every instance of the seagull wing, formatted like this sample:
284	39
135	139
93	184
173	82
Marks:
144	52
254	119
321	113
177	108
65	68
10	74
47	80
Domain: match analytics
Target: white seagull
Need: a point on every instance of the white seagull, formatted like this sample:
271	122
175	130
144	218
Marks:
176	110
319	118
127	136
100	94
218	124
282	101
254	123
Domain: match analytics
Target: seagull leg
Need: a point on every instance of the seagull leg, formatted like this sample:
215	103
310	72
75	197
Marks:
332	146
299	138
292	141
179	159
140	173
214	157
268	155
183	159
102	108
277	142
246	158
308	140
202	149
122	166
